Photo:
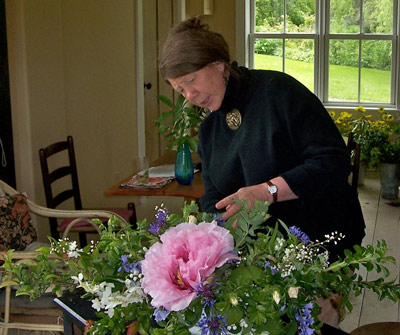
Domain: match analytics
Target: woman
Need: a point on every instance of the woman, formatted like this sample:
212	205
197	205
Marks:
268	138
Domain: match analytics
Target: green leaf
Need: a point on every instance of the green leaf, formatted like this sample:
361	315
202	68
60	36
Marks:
5	283
233	315
165	100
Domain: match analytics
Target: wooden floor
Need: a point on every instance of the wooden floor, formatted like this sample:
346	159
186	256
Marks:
382	223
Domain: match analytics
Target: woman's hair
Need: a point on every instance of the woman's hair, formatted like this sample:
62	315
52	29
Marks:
189	47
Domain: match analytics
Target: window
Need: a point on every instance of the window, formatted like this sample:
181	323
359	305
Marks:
345	51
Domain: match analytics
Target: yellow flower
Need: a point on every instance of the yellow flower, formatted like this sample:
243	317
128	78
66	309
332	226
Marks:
381	110
387	117
345	115
293	292
234	300
332	114
360	109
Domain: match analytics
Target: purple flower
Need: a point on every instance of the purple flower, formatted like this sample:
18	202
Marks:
268	265
305	320
161	216
127	266
219	219
303	237
154	228
160	314
207	292
213	325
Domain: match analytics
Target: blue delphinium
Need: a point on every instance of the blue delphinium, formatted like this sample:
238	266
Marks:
161	216
303	237
268	265
129	267
213	325
160	314
305	320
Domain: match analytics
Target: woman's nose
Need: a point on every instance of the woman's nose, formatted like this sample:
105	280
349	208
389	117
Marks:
190	94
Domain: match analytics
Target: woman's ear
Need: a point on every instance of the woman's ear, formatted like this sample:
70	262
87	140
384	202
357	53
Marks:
220	66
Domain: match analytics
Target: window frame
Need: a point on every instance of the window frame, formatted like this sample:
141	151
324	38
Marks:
245	36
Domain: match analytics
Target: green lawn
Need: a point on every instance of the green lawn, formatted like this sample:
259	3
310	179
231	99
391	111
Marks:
343	81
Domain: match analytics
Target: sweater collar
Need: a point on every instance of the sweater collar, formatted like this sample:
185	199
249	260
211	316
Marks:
237	92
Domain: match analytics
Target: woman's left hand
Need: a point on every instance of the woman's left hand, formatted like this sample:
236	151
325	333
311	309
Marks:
249	193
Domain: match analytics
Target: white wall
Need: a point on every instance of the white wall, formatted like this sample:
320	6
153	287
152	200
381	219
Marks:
72	71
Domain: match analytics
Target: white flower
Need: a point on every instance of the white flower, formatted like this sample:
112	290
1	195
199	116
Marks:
192	219
276	296
73	251
293	292
96	304
78	279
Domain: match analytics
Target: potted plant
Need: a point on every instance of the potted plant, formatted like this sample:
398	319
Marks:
386	155
180	125
369	133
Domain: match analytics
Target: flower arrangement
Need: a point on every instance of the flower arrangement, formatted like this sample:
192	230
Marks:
378	139
181	123
192	272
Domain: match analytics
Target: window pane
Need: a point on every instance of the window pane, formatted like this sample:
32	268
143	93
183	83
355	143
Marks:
378	16
344	16
269	16
300	61
300	16
343	70
268	54
375	71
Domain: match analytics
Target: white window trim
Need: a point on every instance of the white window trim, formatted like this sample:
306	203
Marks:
244	53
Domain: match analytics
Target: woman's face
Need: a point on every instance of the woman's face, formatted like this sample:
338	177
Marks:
203	88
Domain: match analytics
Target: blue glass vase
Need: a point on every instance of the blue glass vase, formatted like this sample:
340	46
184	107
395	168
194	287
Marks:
184	170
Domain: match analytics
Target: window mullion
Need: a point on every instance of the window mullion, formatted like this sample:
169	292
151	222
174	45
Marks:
323	40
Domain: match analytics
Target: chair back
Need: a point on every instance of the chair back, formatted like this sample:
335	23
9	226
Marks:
355	151
68	170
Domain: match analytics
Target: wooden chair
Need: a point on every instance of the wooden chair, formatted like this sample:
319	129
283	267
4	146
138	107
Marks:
43	308
355	150
55	198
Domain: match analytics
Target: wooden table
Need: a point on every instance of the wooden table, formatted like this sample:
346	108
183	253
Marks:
190	192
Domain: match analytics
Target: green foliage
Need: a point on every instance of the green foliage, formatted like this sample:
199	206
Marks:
277	275
344	18
180	124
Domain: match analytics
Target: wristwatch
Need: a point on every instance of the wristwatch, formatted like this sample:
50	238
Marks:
273	190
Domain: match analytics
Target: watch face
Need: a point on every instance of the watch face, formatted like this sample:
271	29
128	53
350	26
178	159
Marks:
272	189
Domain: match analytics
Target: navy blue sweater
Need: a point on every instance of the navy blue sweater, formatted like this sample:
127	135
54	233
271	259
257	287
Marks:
285	131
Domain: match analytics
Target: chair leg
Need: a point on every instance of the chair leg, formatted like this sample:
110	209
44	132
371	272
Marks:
82	239
133	218
7	306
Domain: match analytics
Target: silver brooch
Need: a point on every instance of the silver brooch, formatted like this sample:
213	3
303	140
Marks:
234	119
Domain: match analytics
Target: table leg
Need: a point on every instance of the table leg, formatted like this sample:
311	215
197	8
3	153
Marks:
68	325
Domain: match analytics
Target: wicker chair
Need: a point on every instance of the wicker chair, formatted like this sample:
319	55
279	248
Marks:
78	216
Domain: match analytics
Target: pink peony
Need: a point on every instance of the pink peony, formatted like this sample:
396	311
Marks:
187	256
